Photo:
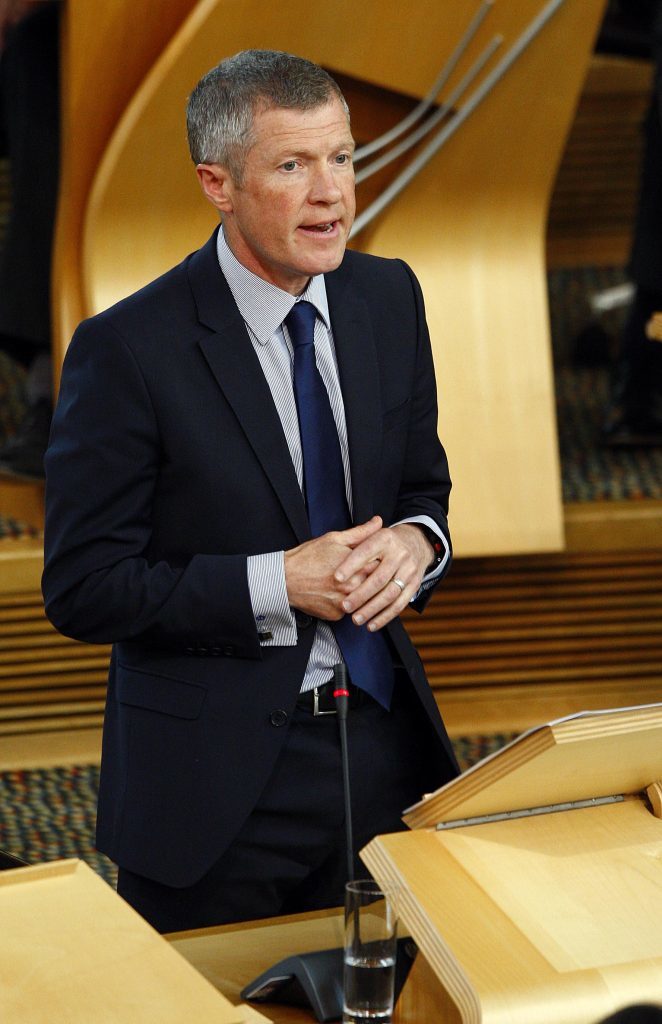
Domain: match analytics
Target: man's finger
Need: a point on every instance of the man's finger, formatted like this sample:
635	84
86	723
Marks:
377	592
385	606
357	578
383	552
354	537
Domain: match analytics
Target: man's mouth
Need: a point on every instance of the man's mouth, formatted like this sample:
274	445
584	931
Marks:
321	229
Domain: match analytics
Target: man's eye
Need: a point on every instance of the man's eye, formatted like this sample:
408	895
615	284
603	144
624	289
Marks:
343	158
289	165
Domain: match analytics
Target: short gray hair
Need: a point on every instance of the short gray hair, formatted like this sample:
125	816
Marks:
221	108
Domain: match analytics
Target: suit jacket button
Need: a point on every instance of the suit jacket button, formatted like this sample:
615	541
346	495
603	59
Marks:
278	717
228	650
201	650
302	620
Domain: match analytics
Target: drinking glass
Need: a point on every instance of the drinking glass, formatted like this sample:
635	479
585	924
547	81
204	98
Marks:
370	951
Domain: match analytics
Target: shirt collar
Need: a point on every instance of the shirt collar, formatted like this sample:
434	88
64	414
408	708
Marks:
262	305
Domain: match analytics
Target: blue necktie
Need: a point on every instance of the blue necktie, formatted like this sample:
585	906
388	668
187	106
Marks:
366	654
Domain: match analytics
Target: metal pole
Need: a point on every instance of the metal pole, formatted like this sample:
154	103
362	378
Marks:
438	116
486	86
422	108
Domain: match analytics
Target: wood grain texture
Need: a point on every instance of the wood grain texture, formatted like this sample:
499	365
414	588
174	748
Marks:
48	683
613	525
231	956
579	758
23	500
545	919
654	794
511	642
73	951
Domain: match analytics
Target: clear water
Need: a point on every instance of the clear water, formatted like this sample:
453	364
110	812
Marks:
368	989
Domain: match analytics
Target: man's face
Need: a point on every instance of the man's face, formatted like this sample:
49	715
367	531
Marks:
291	216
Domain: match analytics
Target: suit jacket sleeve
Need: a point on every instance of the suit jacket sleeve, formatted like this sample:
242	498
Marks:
101	581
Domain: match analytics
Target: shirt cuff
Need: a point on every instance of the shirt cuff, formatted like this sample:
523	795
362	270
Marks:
274	619
429	577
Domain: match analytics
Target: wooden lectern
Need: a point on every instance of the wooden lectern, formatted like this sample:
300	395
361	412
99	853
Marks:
73	952
532	884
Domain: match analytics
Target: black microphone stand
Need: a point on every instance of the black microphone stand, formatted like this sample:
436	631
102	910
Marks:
341	695
316	979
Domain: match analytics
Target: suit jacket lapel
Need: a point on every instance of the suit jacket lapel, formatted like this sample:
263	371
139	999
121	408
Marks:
237	370
359	378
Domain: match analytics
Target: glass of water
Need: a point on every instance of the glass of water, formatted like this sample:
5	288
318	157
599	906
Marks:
370	950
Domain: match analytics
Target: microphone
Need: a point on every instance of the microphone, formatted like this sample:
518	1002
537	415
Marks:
341	695
315	980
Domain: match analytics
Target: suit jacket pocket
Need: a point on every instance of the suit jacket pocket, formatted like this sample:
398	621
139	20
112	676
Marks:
159	693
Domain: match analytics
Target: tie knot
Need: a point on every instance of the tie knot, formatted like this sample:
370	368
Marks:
301	323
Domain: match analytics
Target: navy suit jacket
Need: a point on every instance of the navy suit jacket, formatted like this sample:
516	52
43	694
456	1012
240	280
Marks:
167	467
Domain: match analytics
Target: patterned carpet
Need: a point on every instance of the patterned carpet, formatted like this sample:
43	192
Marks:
591	472
585	346
46	814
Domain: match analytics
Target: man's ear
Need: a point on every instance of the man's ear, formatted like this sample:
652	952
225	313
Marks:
217	185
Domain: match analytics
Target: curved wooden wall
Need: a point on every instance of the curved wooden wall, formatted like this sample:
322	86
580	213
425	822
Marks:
473	226
106	50
472	223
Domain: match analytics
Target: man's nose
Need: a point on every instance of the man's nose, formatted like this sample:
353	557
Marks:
324	186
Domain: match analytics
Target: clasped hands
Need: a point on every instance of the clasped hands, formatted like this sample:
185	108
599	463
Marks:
353	572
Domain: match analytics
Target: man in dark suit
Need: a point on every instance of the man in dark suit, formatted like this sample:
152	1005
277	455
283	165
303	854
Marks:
237	520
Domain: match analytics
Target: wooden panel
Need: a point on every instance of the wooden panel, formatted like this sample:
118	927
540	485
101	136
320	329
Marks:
22	500
482	273
48	749
613	525
48	683
66	940
21	564
511	642
512	914
580	758
230	956
508	954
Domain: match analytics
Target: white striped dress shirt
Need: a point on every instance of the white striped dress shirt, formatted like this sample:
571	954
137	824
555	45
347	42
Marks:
264	307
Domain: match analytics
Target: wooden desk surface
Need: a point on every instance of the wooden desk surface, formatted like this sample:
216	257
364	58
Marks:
232	955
